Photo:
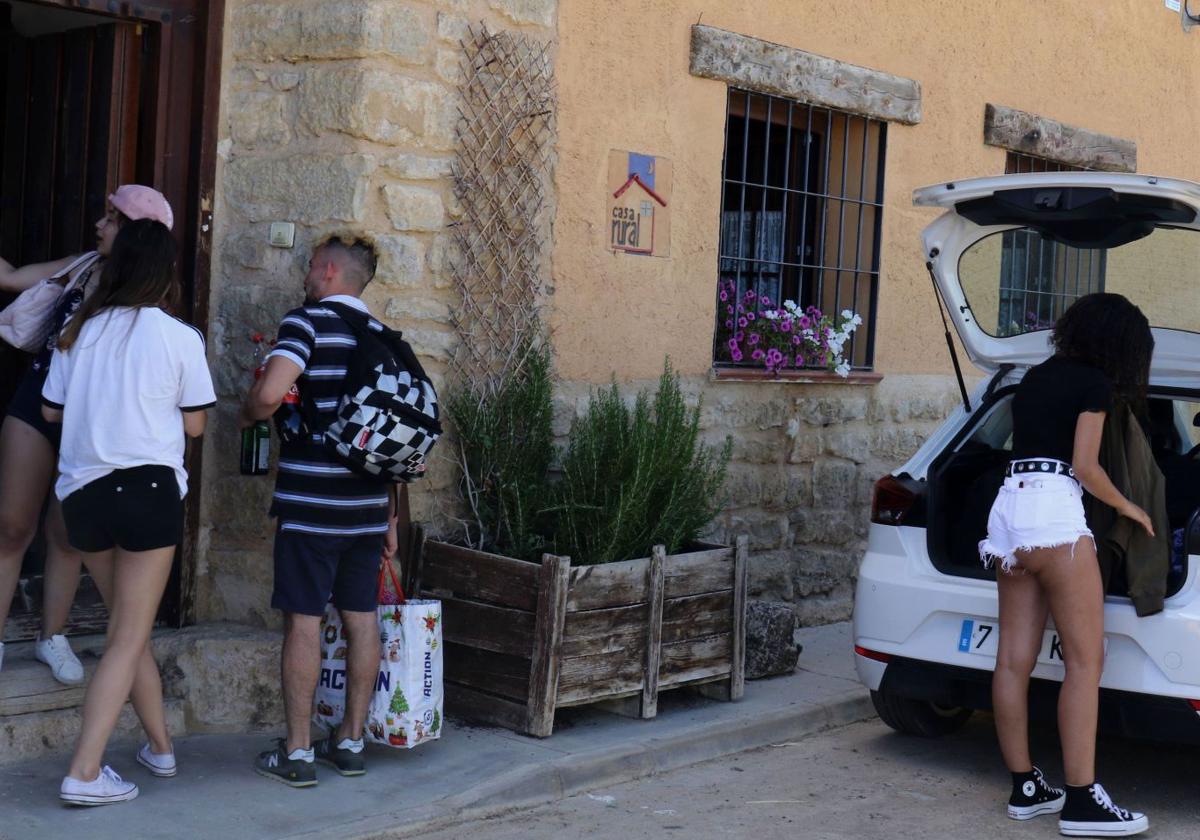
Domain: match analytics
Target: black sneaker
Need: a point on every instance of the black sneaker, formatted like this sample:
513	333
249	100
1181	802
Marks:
345	757
1032	796
1090	812
296	770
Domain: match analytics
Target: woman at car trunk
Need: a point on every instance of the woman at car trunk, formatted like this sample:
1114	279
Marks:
1046	556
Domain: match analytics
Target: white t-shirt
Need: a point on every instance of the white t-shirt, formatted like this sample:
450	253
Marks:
122	386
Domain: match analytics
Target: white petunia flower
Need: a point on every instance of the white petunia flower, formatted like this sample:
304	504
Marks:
842	370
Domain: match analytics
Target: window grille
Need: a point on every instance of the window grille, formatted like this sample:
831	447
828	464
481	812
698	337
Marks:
801	213
1039	279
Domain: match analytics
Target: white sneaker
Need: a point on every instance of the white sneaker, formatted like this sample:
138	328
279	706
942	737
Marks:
161	765
105	789
56	652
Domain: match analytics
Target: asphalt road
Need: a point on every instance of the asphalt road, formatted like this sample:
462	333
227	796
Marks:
857	783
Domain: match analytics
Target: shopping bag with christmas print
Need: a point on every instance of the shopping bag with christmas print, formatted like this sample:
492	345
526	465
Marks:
406	709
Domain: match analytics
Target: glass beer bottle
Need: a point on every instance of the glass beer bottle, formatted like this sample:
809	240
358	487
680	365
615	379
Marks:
256	440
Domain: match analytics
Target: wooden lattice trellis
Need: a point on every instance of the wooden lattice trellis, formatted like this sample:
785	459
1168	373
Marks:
501	179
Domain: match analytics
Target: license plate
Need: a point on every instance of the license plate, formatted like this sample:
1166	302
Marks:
980	636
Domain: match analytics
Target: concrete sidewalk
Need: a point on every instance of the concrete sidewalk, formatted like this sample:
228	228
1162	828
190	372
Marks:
471	772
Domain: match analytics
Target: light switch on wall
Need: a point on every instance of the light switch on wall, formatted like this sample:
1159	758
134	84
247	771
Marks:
283	234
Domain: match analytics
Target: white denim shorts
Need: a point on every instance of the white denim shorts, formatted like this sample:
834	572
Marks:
1036	510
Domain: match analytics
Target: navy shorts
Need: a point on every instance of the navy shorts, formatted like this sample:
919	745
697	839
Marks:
309	568
26	405
137	509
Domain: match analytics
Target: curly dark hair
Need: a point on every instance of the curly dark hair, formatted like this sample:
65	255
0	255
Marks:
1108	332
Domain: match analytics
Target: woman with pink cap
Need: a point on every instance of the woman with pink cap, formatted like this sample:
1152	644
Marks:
29	450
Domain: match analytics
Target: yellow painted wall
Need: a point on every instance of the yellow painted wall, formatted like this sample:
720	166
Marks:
1122	67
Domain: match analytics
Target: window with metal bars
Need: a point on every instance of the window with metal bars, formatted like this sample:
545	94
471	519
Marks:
1040	279
801	214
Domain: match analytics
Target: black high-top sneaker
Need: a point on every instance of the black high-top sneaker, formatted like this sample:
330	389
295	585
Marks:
1032	796
1090	812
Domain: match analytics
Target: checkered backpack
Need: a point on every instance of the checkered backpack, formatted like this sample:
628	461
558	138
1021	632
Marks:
387	418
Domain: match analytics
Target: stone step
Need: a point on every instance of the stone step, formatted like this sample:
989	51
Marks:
216	678
53	732
27	686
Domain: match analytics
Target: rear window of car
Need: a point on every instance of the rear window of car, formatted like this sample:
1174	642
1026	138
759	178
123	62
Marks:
1019	281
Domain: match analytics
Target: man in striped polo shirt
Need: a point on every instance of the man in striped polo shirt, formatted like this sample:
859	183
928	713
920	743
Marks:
332	524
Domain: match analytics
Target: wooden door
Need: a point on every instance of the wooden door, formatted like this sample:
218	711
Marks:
90	101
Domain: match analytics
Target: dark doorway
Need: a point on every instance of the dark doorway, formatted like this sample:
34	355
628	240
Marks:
92	96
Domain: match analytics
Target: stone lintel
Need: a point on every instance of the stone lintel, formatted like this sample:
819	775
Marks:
1030	134
764	67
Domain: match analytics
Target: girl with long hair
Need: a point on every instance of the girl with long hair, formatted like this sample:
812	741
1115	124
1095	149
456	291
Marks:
29	444
1046	556
128	381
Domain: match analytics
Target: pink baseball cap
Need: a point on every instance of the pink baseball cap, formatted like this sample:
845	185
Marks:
138	202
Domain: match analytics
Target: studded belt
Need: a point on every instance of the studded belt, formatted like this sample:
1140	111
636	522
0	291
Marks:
1039	465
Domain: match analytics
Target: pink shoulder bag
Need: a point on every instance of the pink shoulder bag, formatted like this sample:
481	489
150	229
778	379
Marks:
25	322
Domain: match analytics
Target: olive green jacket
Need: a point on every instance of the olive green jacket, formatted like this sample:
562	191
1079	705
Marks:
1123	547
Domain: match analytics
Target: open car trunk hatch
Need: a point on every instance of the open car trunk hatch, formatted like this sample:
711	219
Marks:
1011	253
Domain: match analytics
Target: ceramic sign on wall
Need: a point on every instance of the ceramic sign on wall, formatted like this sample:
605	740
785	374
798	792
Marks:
639	204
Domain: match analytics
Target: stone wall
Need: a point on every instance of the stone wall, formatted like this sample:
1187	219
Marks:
342	116
334	116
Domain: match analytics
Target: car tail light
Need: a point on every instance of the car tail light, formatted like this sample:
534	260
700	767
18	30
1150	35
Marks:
893	500
1195	705
872	654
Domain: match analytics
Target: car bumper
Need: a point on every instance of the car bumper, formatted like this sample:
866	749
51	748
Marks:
905	608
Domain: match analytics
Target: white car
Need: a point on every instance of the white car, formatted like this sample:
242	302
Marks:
1008	254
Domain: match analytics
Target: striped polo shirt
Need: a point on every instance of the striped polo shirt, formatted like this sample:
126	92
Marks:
315	493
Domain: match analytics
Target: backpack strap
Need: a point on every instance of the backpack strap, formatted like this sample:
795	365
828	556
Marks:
357	321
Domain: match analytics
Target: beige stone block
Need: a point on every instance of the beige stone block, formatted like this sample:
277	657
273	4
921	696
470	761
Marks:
229	677
755	450
417	307
401	261
370	104
440	261
833	483
449	64
431	342
295	31
308	188
770	576
820	571
824	409
414	208
285	80
852	444
418	167
536	12
451	27
258	119
815	611
807	443
40	734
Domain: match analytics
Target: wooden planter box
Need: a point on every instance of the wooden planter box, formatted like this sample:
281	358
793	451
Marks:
523	639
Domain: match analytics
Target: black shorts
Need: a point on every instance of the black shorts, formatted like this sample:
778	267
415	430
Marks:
26	405
309	568
137	509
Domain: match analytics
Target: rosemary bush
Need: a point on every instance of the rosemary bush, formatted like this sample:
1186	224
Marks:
631	477
506	448
636	477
